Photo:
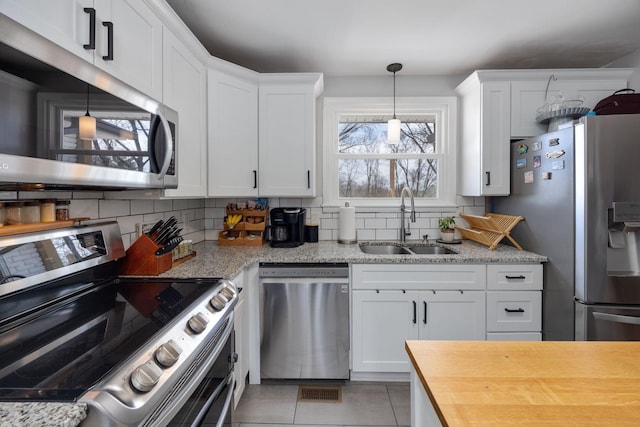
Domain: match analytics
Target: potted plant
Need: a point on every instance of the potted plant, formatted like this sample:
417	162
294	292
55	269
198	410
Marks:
447	230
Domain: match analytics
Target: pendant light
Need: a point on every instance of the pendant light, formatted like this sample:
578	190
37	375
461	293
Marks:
393	125
87	124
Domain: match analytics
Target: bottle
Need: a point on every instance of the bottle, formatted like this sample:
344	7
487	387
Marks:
31	212
13	212
48	210
62	210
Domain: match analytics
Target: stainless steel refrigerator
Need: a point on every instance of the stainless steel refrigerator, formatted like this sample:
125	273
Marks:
579	192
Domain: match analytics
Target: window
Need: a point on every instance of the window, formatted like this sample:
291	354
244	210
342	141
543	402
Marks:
361	168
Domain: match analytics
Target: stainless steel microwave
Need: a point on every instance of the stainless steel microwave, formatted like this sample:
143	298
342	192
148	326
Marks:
45	91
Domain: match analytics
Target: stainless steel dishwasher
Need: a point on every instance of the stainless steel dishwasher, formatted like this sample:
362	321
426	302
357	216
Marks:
304	313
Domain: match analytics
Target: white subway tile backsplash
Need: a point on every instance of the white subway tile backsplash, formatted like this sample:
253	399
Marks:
141	207
84	209
375	223
162	205
115	208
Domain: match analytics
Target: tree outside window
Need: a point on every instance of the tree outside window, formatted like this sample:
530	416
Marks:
365	169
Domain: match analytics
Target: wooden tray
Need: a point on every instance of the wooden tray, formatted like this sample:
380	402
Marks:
8	230
240	239
489	229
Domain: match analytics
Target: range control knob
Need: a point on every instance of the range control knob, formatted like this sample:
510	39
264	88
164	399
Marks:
198	323
145	376
218	302
168	353
228	293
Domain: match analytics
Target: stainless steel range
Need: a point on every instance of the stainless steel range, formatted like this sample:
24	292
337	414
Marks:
147	352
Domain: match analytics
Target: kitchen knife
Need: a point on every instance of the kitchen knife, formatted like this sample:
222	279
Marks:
169	246
162	237
155	228
167	225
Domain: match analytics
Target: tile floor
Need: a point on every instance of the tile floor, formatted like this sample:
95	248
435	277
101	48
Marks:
363	404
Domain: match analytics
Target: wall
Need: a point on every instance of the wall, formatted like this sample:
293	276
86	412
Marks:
128	213
630	61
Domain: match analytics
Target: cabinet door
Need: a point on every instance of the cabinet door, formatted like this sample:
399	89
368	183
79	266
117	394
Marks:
287	140
185	91
382	321
137	44
64	22
233	136
452	315
484	147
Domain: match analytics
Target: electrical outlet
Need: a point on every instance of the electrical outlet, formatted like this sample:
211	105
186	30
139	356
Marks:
144	227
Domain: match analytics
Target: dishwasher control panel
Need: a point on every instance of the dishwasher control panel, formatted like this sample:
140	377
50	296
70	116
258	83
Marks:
322	270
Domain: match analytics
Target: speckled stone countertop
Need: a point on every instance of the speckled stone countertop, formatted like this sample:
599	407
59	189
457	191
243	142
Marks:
41	414
227	261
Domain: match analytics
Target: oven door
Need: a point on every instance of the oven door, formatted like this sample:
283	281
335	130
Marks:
211	402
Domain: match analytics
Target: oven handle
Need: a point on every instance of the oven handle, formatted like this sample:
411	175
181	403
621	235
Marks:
197	422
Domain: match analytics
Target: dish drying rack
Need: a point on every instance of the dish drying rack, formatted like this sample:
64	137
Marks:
489	229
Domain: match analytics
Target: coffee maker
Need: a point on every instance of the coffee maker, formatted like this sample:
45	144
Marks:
287	227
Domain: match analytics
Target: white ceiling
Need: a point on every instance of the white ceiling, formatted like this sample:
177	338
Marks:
429	37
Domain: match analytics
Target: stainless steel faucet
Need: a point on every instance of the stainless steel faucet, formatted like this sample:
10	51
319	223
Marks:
404	233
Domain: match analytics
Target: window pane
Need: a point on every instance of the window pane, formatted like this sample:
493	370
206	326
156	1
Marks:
383	178
369	137
121	140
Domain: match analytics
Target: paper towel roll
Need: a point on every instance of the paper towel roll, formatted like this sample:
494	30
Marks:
347	224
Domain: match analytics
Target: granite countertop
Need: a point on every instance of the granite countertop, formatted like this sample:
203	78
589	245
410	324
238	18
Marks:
213	260
42	414
226	262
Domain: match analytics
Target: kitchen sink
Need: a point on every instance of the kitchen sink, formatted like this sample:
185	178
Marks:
384	249
391	249
430	250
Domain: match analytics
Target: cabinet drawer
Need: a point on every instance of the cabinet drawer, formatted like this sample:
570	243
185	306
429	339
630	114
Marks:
418	276
514	311
511	277
514	336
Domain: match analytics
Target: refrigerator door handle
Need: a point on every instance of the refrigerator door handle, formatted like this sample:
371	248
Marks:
488	182
631	320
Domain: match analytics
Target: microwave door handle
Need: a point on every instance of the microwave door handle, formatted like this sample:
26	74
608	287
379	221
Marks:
631	320
169	148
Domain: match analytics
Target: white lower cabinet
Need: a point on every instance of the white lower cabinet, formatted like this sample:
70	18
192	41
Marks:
514	302
394	303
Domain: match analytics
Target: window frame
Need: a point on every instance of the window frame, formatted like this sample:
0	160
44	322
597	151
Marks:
445	109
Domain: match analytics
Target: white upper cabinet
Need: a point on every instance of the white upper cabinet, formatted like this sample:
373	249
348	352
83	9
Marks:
484	146
185	90
287	133
233	135
122	37
501	105
533	89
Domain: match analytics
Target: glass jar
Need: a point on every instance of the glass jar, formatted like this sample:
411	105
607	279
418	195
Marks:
31	212
48	210
62	210
13	212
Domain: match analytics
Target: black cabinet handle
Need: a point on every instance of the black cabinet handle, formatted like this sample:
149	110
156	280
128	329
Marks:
488	181
517	310
109	55
414	313
255	179
515	277
424	319
92	28
309	179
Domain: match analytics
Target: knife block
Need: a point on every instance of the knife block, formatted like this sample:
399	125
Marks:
141	259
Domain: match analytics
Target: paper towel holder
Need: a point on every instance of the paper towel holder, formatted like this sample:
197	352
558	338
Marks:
347	240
